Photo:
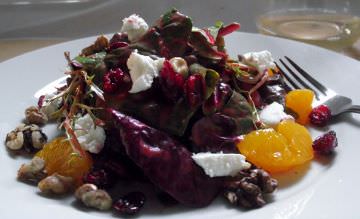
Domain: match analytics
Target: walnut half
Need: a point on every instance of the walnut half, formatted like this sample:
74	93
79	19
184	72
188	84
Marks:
33	171
34	115
247	189
92	197
28	137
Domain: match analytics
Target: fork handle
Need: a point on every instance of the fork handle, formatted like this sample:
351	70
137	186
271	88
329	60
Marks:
353	109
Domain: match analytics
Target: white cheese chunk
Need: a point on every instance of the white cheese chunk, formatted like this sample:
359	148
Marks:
143	70
273	114
220	164
261	60
135	27
91	138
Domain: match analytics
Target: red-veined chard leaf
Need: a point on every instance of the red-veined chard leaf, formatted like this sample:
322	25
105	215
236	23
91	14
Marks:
220	131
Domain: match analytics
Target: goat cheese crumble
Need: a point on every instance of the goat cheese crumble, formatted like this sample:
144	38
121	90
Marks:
220	164
273	114
91	138
262	60
143	70
135	27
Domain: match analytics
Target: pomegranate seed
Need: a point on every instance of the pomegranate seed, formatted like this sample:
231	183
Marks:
320	115
116	80
130	204
164	51
100	178
172	83
195	89
326	143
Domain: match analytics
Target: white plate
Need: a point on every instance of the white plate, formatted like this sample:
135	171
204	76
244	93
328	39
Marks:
327	189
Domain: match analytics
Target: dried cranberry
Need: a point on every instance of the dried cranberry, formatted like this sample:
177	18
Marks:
171	82
116	80
119	37
100	178
41	101
130	204
117	45
320	115
195	89
326	143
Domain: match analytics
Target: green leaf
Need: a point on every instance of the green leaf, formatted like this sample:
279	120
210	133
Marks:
249	75
219	24
175	30
200	43
94	65
148	107
166	18
94	60
211	79
240	110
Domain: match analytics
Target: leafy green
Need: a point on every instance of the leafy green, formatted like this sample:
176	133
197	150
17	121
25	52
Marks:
150	107
220	130
240	110
166	18
175	30
93	61
94	65
211	79
218	99
200	43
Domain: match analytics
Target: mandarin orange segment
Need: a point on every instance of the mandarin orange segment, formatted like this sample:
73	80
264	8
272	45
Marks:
278	150
299	139
60	158
300	102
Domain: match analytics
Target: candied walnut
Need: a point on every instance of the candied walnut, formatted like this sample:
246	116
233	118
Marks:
56	184
87	187
34	115
248	187
90	196
15	138
100	44
32	172
28	137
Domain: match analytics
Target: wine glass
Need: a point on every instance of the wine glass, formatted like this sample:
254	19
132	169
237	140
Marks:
328	23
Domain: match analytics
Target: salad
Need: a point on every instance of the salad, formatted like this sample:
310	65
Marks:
165	105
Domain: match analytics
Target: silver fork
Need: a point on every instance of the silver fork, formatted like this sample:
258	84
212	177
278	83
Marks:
301	79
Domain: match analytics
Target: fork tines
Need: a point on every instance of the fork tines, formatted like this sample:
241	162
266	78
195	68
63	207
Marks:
300	79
